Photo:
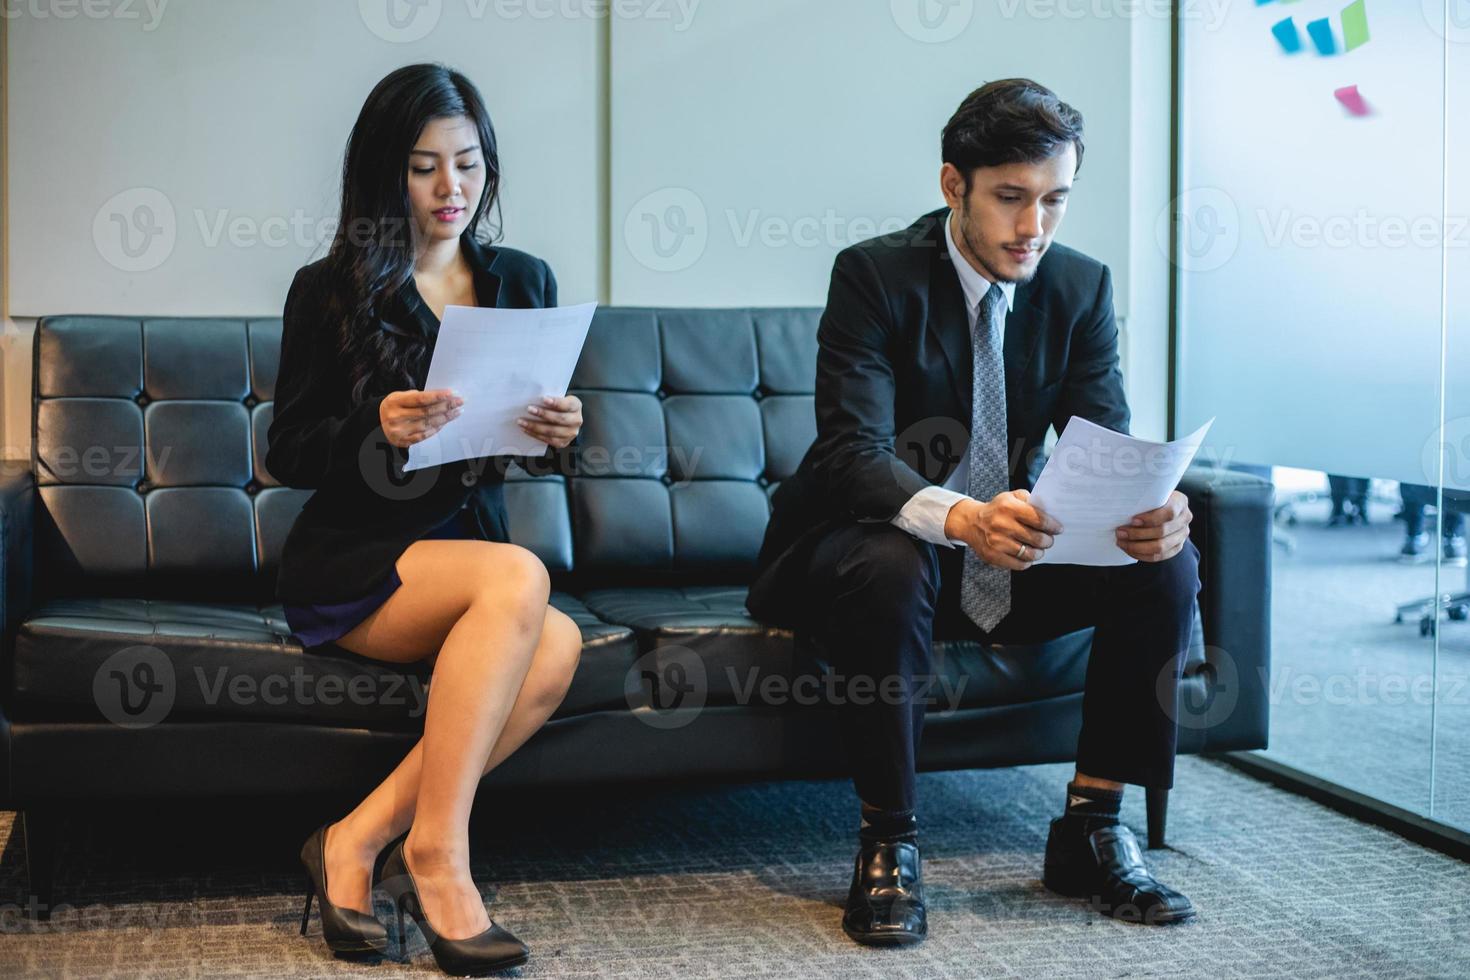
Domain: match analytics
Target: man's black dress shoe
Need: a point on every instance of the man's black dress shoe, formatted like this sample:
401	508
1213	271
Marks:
1106	867
885	906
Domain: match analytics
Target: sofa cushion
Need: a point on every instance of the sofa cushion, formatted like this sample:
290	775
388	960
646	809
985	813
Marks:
137	662
703	639
699	638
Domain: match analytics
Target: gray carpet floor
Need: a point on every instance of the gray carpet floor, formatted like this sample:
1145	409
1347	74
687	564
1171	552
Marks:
748	880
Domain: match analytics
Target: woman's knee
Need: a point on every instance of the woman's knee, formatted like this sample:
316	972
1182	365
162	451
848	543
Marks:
512	580
557	658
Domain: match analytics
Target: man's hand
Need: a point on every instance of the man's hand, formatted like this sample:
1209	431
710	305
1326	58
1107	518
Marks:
1007	531
1158	535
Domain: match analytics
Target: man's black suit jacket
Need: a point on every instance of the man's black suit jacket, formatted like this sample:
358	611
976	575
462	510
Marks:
365	510
894	388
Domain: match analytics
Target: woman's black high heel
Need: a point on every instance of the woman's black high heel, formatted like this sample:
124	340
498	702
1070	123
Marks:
494	949
345	930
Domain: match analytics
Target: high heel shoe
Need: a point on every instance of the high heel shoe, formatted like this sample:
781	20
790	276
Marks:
488	951
345	930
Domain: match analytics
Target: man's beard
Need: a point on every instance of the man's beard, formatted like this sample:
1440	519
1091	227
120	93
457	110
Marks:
980	256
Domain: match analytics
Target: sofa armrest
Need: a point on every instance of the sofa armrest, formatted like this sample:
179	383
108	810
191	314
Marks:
17	514
17	521
1232	530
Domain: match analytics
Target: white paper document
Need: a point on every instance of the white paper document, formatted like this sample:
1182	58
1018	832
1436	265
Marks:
1096	480
499	362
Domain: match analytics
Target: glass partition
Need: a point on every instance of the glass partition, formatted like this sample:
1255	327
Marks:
1451	762
1323	318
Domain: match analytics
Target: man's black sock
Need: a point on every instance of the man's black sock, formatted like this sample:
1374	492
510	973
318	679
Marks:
1089	807
887	825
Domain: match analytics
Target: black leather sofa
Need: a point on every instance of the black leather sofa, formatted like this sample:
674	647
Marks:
144	656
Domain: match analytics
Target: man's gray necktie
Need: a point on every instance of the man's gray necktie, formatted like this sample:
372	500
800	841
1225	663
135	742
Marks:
985	589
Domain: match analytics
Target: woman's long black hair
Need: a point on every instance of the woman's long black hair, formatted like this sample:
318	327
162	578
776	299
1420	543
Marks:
372	253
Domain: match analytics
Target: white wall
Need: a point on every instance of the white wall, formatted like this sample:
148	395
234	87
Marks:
823	119
798	127
768	111
234	115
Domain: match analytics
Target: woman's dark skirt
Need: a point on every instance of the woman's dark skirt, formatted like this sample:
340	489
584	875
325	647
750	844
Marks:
320	623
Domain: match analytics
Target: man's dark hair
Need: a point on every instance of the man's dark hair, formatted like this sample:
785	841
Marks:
1014	120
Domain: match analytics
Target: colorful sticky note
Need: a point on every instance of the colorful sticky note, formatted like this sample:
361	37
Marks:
1352	100
1285	31
1321	34
1355	25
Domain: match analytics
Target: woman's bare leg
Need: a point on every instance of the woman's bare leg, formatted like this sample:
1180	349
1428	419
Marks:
487	602
355	841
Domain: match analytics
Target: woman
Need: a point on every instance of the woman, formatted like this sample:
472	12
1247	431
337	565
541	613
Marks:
414	569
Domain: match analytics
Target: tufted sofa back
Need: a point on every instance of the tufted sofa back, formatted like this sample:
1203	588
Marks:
149	447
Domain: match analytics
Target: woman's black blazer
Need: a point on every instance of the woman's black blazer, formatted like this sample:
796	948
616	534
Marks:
366	510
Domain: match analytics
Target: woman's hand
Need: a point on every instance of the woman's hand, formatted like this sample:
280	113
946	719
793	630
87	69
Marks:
412	416
556	421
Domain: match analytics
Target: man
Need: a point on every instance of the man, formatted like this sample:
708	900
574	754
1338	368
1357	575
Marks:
974	321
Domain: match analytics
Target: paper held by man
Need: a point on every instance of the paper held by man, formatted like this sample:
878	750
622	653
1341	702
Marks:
499	361
1096	480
